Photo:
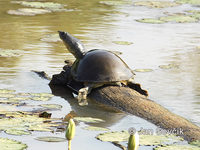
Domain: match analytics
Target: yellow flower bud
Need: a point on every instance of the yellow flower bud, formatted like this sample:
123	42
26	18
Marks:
70	131
133	142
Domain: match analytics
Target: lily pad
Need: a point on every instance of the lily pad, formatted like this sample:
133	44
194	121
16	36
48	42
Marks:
45	5
144	139
8	101
8	144
156	4
88	119
179	18
122	42
6	95
113	136
177	147
51	139
51	106
28	11
93	128
143	70
10	53
42	94
151	20
23	120
195	143
51	38
193	2
19	98
40	98
115	3
169	66
6	91
17	132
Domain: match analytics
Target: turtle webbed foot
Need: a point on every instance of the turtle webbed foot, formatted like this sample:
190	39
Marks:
82	96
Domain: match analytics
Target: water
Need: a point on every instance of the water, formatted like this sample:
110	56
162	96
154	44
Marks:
97	26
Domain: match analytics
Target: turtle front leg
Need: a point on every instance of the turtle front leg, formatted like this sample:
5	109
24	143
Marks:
82	96
136	87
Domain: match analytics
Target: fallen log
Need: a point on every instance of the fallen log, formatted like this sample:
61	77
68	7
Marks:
130	101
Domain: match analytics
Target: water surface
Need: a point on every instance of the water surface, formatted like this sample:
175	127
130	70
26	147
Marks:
97	25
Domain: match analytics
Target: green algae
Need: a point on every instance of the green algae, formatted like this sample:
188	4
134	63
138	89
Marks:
9	144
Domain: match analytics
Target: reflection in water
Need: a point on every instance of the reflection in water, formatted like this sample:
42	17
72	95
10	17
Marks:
91	110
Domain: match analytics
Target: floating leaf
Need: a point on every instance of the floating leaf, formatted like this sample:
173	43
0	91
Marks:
122	42
144	139
19	98
6	95
195	143
8	101
40	98
143	70
156	4
177	147
40	127
193	2
8	144
51	38
10	53
88	119
51	106
51	139
113	136
179	18
28	11
169	66
45	5
17	132
93	128
151	20
6	91
115	3
42	94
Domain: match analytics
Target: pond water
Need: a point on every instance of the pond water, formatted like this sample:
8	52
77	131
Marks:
171	50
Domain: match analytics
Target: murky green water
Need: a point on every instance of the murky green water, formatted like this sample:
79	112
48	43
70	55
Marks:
98	25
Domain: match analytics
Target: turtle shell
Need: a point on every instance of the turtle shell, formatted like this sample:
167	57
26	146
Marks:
101	66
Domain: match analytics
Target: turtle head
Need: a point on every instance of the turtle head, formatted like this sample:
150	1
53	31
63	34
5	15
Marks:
73	44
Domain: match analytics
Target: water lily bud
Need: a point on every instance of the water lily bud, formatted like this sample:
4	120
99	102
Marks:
133	142
70	131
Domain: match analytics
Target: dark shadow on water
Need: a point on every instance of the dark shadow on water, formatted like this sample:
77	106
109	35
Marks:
93	109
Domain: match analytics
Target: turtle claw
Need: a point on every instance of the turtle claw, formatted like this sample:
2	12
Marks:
82	96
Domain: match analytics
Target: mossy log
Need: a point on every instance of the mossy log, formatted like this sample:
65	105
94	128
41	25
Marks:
130	101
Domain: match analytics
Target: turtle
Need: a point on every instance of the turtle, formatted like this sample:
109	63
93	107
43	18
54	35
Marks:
96	68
